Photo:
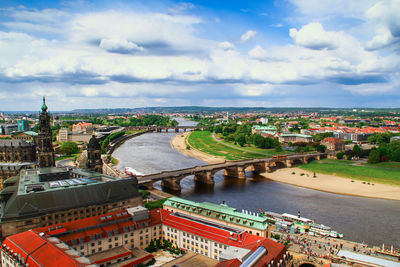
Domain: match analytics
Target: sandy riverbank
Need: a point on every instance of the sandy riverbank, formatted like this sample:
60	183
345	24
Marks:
323	182
179	143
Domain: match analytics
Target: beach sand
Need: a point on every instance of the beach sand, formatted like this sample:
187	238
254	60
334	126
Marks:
179	143
323	182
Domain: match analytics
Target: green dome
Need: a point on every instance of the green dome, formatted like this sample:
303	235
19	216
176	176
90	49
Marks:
44	107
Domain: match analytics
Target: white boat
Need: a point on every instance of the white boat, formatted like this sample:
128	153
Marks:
132	172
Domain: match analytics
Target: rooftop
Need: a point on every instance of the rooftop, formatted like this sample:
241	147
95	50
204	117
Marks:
15	143
98	227
41	191
220	211
34	249
210	230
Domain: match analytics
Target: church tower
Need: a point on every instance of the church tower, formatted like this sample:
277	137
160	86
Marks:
45	151
94	162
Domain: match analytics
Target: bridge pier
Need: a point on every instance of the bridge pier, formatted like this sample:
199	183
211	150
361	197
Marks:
289	163
260	167
171	183
237	172
204	177
148	185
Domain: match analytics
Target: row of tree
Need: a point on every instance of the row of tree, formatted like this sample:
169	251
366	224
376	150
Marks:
145	120
109	138
385	152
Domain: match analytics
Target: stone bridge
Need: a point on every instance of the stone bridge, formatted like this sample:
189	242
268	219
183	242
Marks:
237	169
159	129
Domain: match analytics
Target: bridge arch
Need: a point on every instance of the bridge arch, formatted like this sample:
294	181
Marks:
297	162
307	264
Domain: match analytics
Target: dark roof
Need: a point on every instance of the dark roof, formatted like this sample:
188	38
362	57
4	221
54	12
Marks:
15	143
44	202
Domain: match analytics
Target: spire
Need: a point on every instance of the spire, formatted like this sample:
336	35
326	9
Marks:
44	107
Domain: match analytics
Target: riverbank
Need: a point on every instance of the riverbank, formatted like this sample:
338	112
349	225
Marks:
323	182
179	143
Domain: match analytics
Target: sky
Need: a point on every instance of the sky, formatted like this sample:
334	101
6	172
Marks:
128	54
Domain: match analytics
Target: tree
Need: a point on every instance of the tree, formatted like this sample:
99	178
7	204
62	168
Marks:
258	140
241	139
218	129
268	142
320	136
69	148
340	155
321	148
357	151
374	156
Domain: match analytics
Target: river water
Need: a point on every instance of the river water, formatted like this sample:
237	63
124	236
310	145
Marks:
373	221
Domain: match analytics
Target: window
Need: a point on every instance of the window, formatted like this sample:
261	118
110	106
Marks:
110	246
116	244
93	251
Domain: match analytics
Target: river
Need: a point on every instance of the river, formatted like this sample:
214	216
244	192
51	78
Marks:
373	221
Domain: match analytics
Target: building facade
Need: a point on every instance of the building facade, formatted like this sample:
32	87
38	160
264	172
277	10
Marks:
82	127
22	125
46	196
124	234
223	214
333	144
293	138
17	151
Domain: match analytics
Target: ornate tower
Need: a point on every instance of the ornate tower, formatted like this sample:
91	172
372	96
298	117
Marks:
45	151
94	162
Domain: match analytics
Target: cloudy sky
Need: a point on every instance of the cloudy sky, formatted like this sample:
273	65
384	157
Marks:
97	54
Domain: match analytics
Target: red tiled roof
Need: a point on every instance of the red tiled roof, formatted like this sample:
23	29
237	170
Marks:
97	221
332	140
275	252
244	240
229	263
41	251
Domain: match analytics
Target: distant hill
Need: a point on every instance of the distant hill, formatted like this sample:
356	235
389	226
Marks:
202	109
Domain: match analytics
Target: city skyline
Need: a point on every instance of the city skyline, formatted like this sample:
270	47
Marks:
127	54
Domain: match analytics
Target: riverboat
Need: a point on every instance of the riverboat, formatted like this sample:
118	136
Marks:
303	225
132	172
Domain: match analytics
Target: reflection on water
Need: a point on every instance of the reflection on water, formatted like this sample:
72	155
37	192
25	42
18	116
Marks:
374	221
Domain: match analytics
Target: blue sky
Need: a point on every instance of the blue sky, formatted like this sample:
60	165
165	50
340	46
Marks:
294	53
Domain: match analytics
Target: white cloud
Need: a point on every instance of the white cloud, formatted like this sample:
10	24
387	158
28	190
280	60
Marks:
385	15
90	91
226	45
314	36
120	46
248	36
258	53
328	9
161	69
181	7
